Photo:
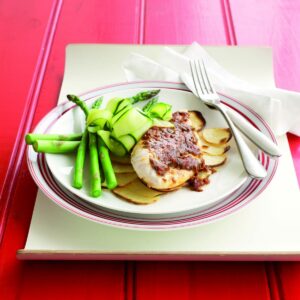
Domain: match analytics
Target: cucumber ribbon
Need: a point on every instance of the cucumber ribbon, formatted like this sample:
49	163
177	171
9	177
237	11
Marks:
121	126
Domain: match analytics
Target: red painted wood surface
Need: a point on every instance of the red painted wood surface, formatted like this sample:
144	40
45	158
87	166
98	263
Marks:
19	90
202	280
19	24
133	21
96	22
275	24
182	22
80	21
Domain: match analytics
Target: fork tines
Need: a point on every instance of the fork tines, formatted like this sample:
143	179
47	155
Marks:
200	77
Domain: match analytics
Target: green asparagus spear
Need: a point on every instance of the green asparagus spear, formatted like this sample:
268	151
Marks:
97	103
148	106
80	103
30	138
109	173
80	157
56	147
94	167
143	96
101	174
79	162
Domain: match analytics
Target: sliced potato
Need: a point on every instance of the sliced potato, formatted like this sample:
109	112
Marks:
204	174
198	121
216	135
162	123
121	168
214	160
137	193
123	178
212	149
172	188
124	160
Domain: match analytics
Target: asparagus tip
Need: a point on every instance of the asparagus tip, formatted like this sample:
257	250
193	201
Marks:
96	193
112	185
77	185
70	97
35	146
28	139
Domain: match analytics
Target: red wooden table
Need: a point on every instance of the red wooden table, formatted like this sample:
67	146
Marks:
33	37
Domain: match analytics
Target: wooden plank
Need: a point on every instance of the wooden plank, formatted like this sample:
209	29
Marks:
182	22
49	280
286	45
67	280
82	22
21	32
96	22
288	276
183	280
19	104
253	21
276	24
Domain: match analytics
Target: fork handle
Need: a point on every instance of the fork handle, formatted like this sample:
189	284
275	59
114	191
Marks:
257	137
251	164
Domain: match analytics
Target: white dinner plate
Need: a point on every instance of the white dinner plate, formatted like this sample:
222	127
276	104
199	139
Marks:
229	184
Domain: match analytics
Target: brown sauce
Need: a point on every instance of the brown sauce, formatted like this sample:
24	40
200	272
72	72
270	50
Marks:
197	183
175	147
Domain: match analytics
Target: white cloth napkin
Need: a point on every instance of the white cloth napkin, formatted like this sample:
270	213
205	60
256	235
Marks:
279	108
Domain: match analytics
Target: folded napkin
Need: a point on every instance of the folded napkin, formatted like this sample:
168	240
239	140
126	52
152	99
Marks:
279	108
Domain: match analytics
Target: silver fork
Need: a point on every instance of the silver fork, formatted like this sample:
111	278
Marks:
206	92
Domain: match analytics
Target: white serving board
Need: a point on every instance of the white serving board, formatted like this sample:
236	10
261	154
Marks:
266	229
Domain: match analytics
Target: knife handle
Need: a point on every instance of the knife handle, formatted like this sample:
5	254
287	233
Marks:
256	136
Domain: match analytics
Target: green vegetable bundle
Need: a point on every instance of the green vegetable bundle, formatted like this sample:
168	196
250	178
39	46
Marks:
117	128
121	125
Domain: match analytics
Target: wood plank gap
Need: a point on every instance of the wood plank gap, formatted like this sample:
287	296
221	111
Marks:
130	281
17	155
228	23
142	13
273	279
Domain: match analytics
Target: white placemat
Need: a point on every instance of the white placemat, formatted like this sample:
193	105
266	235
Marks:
267	228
